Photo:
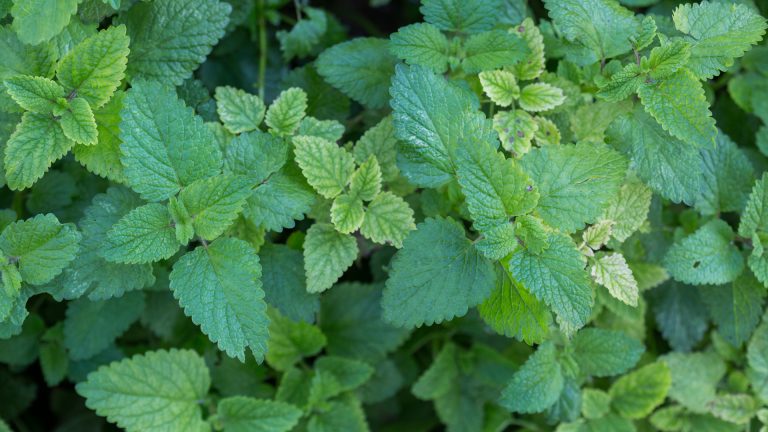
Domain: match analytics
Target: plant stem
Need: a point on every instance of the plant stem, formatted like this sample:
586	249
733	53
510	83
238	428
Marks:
262	48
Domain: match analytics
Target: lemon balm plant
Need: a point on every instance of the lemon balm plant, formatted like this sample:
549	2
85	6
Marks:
263	215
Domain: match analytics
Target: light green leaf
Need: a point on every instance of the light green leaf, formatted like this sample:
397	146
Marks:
636	394
360	68
516	131
347	213
327	167
165	145
181	221
171	38
421	44
705	257
540	97
388	219
498	242
41	246
285	113
144	235
238	110
152	392
37	94
366	181
305	34
736	307
695	377
349	374
755	216
597	234
91	326
349	314
678	104
500	86
94	68
343	414
330	130
244	414
256	155
37	21
665	60
219	287
327	255
103	158
595	403
719	33
492	50
612	272
566	174
628	210
437	275
533	65
284	198
214	203
514	312
757	358
37	142
557	277
734	408
622	84
668	165
601	28
78	123
601	353
495	188
379	141
463	16
536	385
290	341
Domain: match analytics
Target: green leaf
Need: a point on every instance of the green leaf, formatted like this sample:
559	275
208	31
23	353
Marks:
492	50
566	174
244	414
437	275
495	188
37	94
557	277
595	403
53	357
360	68
344	414
514	312
718	33
681	315
181	221
636	394
238	110
727	177
501	86
678	104
439	377
285	113
540	97
734	408
432	118
37	142
103	158
516	131
612	272
347	213
421	44
533	65
736	308
330	130
165	145
37	21
668	165
388	219
327	255
349	314
536	385
695	378
755	216
214	203
219	287
94	68
78	123
665	60
705	257
601	353
284	198
366	181
41	246
305	34
143	235
290	341
601	28
628	210
622	84
327	167
379	141
349	374
285	284
461	16
170	39
498	242
256	155
757	358
152	392
91	326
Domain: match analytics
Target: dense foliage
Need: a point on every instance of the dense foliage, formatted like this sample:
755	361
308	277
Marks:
271	216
